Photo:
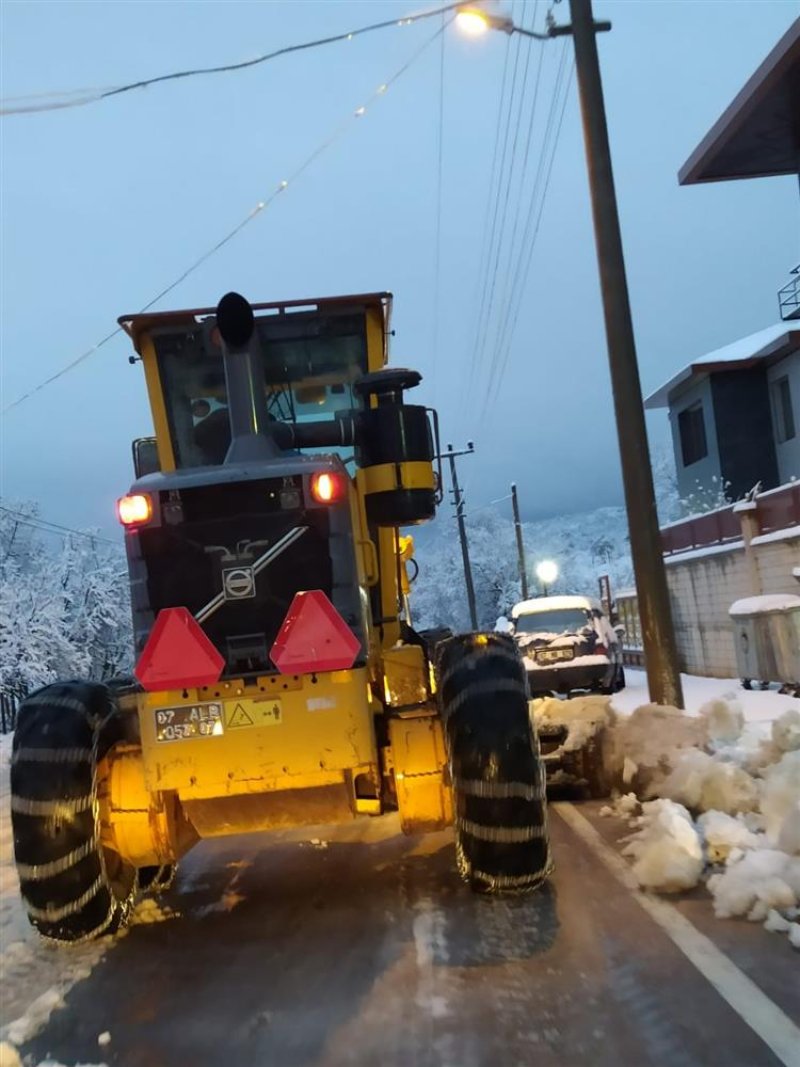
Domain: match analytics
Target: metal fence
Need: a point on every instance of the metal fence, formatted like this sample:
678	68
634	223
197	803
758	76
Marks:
10	700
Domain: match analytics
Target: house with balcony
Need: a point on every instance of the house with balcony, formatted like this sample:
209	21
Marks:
735	414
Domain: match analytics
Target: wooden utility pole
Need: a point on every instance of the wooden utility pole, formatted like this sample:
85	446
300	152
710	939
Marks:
458	504
523	572
658	637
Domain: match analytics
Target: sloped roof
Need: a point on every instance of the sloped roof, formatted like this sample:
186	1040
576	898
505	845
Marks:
772	343
758	135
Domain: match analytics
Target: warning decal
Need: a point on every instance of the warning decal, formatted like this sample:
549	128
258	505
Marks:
243	713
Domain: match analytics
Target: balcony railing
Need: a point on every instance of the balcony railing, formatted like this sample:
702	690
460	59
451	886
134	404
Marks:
789	297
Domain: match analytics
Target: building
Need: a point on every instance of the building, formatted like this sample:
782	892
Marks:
735	414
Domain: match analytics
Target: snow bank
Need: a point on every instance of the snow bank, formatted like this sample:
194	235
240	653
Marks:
744	791
666	849
780	803
583	716
752	605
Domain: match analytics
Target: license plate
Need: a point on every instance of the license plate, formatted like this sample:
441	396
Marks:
189	721
553	655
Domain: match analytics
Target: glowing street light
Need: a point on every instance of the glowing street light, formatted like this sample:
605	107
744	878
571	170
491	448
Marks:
473	21
546	572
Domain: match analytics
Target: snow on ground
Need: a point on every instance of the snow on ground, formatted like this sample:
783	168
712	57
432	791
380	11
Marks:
726	778
27	961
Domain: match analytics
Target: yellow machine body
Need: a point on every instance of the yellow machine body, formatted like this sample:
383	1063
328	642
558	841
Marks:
288	750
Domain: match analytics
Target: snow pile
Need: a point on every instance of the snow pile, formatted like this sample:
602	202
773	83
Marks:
706	783
583	716
754	882
149	911
35	1018
744	793
724	720
723	833
780	803
666	848
644	747
622	807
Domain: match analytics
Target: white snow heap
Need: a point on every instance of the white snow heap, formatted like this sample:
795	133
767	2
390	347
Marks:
649	742
756	605
666	849
722	833
755	882
707	783
583	716
724	720
780	803
786	731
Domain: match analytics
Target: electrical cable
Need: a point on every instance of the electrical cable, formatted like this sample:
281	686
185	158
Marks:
254	213
523	277
496	359
93	96
45	526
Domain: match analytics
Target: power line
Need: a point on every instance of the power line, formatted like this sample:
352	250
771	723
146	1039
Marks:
253	214
45	526
510	323
73	97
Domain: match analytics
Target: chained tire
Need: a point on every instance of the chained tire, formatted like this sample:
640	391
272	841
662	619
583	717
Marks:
501	835
72	887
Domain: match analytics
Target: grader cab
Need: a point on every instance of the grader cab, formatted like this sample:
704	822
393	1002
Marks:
279	681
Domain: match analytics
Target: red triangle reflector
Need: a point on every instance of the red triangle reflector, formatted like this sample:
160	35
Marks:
178	654
314	637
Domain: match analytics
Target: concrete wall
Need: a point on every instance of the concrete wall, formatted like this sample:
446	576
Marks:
704	584
789	452
705	469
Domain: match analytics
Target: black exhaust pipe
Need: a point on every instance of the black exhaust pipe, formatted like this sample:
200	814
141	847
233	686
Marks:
251	438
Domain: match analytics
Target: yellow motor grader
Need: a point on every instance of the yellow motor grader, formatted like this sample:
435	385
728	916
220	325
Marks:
279	681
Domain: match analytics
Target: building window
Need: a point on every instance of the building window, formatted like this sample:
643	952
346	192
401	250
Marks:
782	408
692	430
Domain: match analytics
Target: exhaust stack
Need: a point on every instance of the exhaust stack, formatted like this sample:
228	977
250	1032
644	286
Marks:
251	438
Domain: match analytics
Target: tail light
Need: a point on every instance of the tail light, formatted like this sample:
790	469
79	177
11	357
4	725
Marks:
327	487
135	510
600	650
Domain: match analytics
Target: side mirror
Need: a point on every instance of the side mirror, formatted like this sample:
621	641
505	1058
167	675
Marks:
619	630
145	456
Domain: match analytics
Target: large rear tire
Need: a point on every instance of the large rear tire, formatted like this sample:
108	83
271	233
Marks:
498	777
73	889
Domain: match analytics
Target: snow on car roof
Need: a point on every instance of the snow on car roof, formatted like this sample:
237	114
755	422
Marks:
554	603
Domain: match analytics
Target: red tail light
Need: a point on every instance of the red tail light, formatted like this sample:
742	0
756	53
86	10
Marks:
327	488
135	510
600	650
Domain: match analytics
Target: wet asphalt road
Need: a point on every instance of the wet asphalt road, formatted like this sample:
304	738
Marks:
371	951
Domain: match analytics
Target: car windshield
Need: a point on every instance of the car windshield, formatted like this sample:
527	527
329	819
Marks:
562	621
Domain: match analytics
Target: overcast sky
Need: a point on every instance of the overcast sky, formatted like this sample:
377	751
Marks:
104	205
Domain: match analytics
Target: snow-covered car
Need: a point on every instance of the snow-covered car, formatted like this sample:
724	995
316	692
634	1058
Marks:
568	643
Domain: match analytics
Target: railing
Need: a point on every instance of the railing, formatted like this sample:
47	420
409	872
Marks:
778	509
10	700
701	531
789	297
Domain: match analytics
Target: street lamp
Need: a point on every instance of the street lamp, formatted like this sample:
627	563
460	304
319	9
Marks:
658	635
546	572
474	21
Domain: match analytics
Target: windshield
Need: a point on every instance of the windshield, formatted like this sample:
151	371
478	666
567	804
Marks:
564	621
310	363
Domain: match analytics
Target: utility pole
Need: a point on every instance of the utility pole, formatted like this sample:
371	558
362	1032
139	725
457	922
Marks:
663	675
523	574
458	504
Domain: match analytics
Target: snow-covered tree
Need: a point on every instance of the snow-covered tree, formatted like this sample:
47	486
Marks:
64	607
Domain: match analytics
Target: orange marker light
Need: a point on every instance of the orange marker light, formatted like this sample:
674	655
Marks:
327	488
135	510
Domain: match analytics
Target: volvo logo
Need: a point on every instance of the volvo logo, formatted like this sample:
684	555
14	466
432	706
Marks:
238	583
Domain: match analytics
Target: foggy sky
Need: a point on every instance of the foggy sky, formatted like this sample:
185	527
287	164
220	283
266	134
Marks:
104	205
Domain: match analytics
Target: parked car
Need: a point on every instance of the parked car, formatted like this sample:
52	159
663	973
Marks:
568	643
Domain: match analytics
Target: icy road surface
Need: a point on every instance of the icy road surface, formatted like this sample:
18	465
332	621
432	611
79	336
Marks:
358	946
370	951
